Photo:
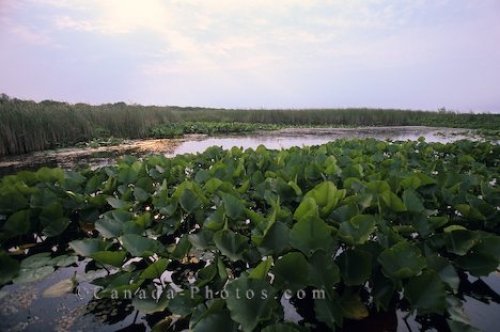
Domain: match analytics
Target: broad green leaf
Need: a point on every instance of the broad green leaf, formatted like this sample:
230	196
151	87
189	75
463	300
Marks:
378	187
469	212
189	200
202	240
460	327
261	270
212	185
182	247
50	213
326	196
117	203
233	206
140	246
393	202
231	244
142	221
18	223
221	270
56	227
46	174
458	320
215	318
88	246
114	258
402	260
357	230
307	209
151	303
184	302
128	175
460	242
310	235
64	260
355	266
141	195
329	312
453	228
323	272
36	261
291	271
12	200
489	245
446	271
215	221
31	275
155	270
275	241
412	202
295	187
42	198
426	293
109	228
345	212
9	268
250	302
478	264
206	275
383	290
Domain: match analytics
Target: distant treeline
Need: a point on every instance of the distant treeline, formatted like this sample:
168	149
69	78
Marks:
27	126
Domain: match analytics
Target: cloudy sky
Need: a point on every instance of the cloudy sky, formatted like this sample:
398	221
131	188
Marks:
421	54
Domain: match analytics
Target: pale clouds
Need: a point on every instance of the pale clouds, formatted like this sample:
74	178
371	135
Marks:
284	46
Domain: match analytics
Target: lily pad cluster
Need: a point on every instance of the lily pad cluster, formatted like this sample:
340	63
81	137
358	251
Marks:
340	231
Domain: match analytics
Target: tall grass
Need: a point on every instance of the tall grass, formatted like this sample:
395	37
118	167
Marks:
348	117
27	126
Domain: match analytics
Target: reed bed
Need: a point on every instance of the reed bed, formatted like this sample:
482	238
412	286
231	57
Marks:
27	126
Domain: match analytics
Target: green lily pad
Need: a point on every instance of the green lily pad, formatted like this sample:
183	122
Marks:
355	266
230	244
250	302
426	293
9	268
310	235
31	275
357	230
402	260
114	258
291	271
87	247
140	246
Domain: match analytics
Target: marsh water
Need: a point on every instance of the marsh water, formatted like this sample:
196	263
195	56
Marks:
23	307
71	158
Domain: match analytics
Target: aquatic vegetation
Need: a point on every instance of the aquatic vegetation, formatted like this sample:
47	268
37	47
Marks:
342	231
27	126
209	128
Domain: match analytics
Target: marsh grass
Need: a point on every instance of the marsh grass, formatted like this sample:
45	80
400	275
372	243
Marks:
27	126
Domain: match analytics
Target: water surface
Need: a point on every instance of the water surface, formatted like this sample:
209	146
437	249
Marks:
71	158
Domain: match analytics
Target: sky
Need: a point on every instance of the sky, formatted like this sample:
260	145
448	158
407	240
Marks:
420	54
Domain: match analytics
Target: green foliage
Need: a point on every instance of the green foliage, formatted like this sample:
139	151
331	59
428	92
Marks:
426	293
402	260
250	302
27	126
401	231
173	130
